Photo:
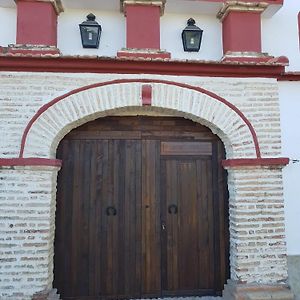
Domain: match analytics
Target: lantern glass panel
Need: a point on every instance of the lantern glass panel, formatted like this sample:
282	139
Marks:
90	36
193	39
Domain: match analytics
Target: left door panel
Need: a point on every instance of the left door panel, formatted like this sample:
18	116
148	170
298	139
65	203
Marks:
98	236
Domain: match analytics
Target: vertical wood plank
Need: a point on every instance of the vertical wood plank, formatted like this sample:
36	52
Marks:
223	196
75	219
103	198
151	281
170	241
216	213
187	227
83	263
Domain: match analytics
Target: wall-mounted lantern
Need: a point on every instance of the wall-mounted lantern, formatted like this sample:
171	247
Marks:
90	32
191	36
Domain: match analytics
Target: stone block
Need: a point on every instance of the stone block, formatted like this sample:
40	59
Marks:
255	291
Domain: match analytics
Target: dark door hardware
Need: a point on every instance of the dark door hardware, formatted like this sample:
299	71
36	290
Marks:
173	209
111	211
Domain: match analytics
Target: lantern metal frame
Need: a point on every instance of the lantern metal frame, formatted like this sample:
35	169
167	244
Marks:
191	36
90	32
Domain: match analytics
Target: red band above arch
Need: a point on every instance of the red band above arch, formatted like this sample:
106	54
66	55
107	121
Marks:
32	161
149	81
254	162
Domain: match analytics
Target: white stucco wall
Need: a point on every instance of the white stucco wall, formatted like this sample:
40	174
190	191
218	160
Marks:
172	26
8	25
280	35
289	94
112	37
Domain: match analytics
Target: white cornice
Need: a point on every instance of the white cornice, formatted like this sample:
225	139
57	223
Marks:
240	6
160	3
57	4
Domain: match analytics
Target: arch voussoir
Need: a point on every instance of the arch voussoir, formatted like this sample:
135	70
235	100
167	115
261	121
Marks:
66	112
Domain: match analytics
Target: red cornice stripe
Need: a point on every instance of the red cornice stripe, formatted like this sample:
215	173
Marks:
14	162
290	76
299	28
248	162
118	81
138	66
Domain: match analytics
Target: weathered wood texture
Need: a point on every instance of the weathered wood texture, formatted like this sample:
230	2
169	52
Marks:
141	210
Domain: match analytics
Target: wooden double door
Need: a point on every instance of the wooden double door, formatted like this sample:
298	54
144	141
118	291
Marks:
141	210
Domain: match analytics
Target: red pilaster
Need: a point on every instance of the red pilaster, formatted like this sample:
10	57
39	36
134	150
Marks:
36	26
143	28
299	27
242	32
36	23
241	25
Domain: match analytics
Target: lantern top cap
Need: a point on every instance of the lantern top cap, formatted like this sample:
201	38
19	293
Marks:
191	25
90	17
191	22
90	20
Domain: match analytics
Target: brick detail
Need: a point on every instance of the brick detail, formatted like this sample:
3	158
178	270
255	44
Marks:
206	110
257	229
22	95
87	105
27	193
76	110
259	101
27	210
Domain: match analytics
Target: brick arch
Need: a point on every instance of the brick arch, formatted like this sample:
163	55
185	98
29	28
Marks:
55	119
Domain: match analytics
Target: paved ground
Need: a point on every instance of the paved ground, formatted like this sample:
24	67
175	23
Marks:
188	298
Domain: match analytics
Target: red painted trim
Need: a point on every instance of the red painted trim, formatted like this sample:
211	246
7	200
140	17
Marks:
33	51
290	76
36	23
137	66
145	54
299	28
248	162
242	32
146	94
259	59
246	59
14	162
142	26
118	81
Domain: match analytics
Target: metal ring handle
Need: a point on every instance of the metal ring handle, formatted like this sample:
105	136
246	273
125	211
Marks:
111	211
173	209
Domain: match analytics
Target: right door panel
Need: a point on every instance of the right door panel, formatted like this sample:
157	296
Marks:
187	226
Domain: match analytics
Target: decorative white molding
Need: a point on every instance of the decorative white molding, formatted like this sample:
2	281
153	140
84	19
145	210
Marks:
57	4
160	3
241	7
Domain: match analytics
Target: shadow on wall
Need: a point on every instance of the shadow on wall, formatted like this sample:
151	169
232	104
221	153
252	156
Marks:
294	274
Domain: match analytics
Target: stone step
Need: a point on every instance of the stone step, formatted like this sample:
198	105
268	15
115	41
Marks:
186	298
278	295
